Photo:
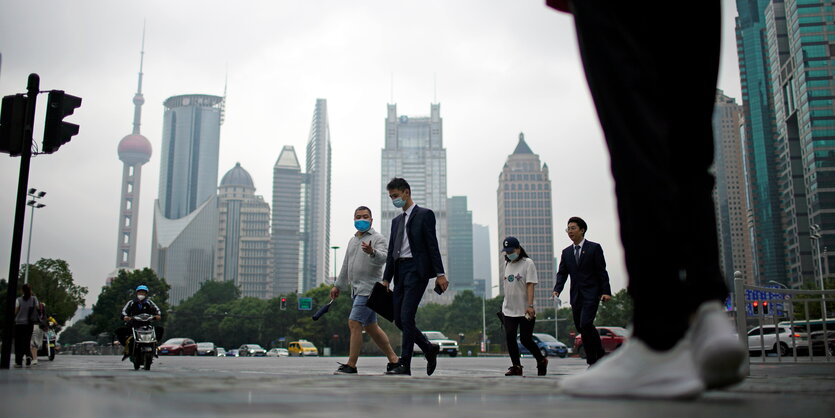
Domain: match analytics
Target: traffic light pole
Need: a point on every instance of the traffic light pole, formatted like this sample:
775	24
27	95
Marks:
33	87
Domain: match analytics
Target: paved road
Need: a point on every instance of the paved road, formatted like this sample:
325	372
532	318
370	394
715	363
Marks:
102	386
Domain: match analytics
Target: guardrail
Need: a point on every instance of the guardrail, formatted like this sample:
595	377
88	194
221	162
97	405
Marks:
781	307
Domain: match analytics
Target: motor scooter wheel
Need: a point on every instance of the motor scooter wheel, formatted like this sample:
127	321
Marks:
149	358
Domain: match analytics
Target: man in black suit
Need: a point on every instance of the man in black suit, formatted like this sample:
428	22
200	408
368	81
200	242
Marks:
413	258
584	262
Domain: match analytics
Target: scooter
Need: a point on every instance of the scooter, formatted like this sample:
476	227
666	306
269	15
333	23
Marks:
48	347
143	342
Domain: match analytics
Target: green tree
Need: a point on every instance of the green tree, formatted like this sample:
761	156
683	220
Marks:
617	312
814	301
53	284
76	333
106	315
188	319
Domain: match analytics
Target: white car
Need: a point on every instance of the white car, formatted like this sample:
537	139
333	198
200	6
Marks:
278	352
252	350
778	339
438	338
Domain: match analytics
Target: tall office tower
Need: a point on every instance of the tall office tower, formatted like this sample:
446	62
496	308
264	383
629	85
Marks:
415	151
134	151
244	253
317	203
760	141
482	267
460	226
288	258
185	213
729	193
524	198
800	48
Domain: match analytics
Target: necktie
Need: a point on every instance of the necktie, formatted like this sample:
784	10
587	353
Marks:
398	236
577	253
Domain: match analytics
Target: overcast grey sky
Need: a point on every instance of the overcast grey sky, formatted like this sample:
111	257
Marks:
502	67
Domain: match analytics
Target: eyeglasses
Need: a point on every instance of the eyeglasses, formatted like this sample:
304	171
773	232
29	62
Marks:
571	228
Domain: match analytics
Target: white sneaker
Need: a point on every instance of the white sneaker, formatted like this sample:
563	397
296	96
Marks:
717	351
35	362
636	371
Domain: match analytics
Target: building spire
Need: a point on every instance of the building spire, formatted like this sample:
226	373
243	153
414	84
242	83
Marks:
138	99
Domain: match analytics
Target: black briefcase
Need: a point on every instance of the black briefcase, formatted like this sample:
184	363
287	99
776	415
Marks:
381	301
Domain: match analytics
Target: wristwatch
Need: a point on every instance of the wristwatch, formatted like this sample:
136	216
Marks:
530	306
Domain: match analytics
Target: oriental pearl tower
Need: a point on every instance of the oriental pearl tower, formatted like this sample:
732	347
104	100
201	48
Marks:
134	151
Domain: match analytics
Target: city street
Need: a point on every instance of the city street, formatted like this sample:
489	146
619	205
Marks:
102	386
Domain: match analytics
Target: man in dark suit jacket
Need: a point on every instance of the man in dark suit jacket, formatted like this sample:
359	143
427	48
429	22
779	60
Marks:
413	258
584	262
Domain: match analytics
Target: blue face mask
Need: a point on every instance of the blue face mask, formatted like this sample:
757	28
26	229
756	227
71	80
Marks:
512	256
398	202
362	225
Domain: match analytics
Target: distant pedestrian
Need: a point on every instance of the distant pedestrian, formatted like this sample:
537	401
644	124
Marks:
38	331
519	280
584	262
362	268
25	320
413	258
655	108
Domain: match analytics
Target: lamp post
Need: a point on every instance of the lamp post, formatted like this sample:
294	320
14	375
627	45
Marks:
334	248
35	195
816	236
484	320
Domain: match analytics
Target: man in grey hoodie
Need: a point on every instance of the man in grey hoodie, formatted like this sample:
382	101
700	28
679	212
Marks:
365	256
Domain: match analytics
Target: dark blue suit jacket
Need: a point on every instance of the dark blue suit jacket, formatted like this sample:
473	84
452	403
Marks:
589	278
423	242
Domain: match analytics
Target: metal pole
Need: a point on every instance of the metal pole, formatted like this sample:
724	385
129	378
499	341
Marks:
29	246
483	325
739	302
820	272
33	86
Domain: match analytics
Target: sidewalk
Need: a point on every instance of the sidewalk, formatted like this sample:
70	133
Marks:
102	386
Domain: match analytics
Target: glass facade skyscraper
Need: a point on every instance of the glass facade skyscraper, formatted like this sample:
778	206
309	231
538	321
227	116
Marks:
460	226
317	200
525	212
287	218
760	141
482	249
185	213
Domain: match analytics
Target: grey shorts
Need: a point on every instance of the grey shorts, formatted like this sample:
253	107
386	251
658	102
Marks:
361	313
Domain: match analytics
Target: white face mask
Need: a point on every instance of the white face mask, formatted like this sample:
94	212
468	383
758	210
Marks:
140	297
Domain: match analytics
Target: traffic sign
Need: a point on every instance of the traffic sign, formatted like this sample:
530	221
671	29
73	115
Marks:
305	304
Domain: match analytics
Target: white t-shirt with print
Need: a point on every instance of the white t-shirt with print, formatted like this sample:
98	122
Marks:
516	277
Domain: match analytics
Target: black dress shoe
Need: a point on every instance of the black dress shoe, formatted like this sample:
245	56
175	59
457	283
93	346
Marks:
400	370
391	366
432	359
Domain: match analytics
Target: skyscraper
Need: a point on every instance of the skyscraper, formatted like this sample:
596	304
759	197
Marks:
482	249
134	151
287	221
799	37
760	140
460	267
524	198
243	243
185	213
414	150
317	200
729	193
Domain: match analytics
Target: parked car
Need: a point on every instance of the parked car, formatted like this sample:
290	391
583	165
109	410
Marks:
611	338
548	345
438	338
302	348
821	347
233	353
278	352
252	350
206	349
221	352
178	347
777	339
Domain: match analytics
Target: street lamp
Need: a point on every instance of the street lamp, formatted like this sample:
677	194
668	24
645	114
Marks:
816	236
35	195
484	320
334	248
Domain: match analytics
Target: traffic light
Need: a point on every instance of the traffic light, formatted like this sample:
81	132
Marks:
283	304
12	118
756	307
57	132
765	307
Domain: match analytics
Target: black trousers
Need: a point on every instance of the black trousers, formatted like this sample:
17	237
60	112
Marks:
22	342
652	72
525	327
408	291
584	312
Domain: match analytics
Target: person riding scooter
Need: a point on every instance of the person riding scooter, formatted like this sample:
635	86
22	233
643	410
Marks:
138	305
